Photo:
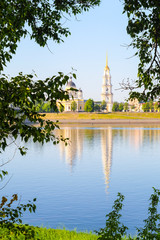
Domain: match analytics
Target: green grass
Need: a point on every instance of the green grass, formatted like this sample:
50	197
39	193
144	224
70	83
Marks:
49	234
116	115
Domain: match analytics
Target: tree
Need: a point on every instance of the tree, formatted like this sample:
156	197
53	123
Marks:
121	107
115	107
73	106
145	107
97	108
89	106
156	106
43	18
113	229
61	108
144	29
20	95
125	106
46	107
103	105
151	106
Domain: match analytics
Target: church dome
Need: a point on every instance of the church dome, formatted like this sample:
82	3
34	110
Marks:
70	84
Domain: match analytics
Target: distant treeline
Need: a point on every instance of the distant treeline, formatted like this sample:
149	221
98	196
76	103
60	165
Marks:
44	107
119	107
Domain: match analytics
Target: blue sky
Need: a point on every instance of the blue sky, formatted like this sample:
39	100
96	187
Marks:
97	32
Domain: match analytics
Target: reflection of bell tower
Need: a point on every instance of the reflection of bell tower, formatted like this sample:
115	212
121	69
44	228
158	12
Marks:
107	94
106	143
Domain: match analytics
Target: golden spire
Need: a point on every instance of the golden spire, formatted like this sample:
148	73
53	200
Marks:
106	60
106	67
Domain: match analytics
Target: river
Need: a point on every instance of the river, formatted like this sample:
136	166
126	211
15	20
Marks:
76	185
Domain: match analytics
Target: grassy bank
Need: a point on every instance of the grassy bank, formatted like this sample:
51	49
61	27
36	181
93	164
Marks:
98	116
48	234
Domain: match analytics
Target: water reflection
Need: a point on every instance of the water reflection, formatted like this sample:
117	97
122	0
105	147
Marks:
106	145
74	150
137	137
114	158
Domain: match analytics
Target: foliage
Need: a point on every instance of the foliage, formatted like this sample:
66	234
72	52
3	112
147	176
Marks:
125	106
44	107
113	229
3	174
156	106
89	106
115	107
13	215
18	106
10	215
73	106
151	229
40	19
103	105
97	108
121	107
19	96
151	106
144	29
145	107
47	234
61	108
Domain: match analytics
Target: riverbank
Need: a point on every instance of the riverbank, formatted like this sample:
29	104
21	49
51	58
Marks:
104	118
47	234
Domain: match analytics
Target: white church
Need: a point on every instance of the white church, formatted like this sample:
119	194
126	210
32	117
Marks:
77	94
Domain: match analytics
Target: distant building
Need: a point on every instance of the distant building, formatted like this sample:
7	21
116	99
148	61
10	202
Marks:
107	94
77	94
74	95
135	105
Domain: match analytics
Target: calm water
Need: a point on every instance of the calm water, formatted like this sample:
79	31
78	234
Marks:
76	185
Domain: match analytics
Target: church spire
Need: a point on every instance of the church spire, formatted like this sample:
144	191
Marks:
106	67
107	94
106	60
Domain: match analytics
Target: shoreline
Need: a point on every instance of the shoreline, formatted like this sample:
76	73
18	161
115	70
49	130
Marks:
107	121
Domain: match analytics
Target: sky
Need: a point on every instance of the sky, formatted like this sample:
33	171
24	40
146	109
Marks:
94	34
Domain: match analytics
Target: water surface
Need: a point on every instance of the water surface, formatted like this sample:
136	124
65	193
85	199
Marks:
76	185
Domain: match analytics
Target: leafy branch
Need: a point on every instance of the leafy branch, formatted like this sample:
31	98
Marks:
19	97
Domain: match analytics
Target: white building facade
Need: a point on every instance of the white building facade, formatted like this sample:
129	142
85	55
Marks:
76	96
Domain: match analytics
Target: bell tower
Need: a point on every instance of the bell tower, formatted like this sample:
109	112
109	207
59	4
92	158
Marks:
107	94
